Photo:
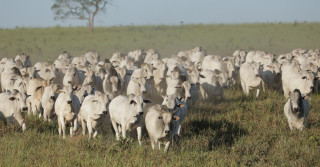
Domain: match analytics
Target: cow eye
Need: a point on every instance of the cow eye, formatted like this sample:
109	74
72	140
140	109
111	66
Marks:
160	117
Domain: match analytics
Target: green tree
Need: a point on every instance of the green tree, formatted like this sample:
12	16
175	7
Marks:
79	9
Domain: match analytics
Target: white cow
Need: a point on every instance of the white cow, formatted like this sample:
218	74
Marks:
158	120
13	108
92	113
296	110
250	77
210	86
67	108
126	114
294	78
47	101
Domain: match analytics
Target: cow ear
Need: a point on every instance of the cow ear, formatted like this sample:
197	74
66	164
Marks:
12	98
146	101
176	118
133	102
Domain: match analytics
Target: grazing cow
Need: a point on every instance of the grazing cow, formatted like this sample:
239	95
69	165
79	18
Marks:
13	108
297	110
126	114
158	124
67	108
92	113
47	101
250	76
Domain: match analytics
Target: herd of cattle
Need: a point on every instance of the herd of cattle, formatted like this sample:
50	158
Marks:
87	91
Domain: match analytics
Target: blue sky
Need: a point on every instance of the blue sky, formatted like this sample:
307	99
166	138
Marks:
37	13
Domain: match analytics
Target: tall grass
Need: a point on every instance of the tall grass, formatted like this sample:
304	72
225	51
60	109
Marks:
237	131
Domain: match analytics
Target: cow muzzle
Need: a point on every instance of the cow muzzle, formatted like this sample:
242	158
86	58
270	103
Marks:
69	102
166	131
105	112
140	113
24	108
53	98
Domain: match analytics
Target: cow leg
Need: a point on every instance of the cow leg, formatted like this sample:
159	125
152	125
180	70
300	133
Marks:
45	116
95	134
202	92
24	127
123	130
115	128
75	125
258	92
153	142
167	146
84	127
247	91
243	87
89	126
290	126
179	129
71	129
63	126
59	124
139	132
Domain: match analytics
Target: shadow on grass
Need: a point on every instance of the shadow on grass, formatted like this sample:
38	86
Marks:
219	133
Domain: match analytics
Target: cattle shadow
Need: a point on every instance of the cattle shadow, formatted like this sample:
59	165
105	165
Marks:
218	133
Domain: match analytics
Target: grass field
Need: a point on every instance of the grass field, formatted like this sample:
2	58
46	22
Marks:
238	131
47	43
